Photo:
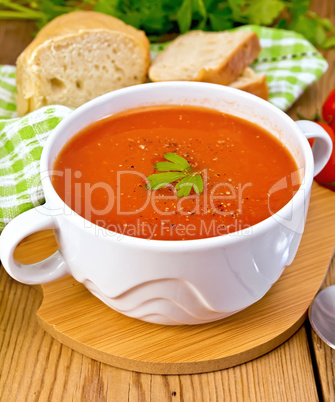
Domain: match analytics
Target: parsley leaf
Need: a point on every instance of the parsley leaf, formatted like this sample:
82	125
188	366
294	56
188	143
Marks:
176	163
263	12
185	185
160	180
199	184
177	168
184	16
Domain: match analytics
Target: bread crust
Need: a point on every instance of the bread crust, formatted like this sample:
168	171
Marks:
226	68
231	68
253	83
66	28
74	22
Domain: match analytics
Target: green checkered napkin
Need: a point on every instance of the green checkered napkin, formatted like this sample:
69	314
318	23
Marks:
21	144
290	62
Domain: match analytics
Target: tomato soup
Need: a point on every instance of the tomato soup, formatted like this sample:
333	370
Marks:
101	173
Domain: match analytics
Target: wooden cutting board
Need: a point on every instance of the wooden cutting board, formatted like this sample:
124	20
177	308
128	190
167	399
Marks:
79	320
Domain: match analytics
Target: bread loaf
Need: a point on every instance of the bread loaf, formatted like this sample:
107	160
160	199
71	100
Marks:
251	82
217	57
77	57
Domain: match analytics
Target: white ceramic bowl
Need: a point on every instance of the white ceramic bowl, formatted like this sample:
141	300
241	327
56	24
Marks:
171	282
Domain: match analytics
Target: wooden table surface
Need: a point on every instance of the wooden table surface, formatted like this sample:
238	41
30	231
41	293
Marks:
35	367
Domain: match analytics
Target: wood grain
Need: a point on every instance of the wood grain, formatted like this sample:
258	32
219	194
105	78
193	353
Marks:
79	320
325	355
309	102
34	367
14	37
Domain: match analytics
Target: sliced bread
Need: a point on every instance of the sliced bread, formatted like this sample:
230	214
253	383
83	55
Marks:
251	82
218	57
77	57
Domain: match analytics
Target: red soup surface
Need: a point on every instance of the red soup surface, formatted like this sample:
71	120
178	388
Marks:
101	173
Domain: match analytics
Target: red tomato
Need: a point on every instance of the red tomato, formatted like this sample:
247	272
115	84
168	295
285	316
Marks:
328	108
332	125
311	141
327	175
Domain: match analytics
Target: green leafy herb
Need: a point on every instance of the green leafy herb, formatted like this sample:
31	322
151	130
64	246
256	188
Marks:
160	17
177	168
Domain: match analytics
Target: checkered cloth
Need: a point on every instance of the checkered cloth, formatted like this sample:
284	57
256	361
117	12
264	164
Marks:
289	61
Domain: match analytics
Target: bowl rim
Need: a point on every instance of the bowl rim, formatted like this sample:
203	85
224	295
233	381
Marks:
52	197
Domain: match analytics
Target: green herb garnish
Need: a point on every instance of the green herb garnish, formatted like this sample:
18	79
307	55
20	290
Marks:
161	17
177	168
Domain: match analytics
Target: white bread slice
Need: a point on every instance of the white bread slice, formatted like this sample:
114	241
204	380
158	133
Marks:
218	57
251	82
77	57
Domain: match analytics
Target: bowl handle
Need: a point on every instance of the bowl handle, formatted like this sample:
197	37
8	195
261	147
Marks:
29	222
322	147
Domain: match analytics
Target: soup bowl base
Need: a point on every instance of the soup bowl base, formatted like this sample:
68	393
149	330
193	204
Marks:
171	282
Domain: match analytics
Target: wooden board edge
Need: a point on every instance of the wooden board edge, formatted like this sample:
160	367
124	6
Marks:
147	367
